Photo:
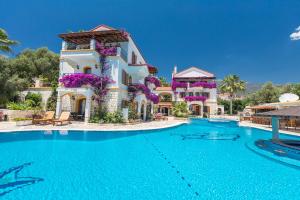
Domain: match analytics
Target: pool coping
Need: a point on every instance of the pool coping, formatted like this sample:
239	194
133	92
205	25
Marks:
106	129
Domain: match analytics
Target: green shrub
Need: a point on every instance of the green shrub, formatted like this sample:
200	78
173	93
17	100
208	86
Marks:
22	119
34	99
51	102
94	119
180	109
115	117
132	113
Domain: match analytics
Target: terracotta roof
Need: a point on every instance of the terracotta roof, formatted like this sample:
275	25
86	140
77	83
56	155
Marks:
286	112
163	89
102	27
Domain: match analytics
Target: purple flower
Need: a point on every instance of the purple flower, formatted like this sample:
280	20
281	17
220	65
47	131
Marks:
195	98
99	83
176	84
105	51
203	84
154	80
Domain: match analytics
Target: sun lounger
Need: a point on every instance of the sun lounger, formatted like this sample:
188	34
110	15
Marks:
64	117
47	118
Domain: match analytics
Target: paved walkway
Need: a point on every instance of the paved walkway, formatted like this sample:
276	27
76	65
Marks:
11	126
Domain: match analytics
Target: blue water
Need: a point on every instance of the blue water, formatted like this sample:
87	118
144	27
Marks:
213	163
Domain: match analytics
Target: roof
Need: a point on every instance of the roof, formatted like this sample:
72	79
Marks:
163	89
101	32
102	27
194	72
286	112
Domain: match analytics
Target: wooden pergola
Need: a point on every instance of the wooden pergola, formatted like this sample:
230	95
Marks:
108	36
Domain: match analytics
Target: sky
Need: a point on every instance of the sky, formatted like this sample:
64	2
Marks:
254	39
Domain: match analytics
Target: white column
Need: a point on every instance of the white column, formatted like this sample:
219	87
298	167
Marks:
152	108
58	106
87	112
139	108
145	110
275	127
93	44
64	45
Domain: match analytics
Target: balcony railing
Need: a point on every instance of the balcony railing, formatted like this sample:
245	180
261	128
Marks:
71	46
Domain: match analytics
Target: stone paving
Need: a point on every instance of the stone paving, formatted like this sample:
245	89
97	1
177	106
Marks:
11	126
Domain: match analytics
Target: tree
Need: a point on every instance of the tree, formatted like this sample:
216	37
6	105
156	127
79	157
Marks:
5	42
269	93
10	83
39	63
164	82
231	85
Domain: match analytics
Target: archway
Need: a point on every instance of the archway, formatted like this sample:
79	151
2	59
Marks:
195	109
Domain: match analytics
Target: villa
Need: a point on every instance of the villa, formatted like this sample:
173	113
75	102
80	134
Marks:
104	67
194	86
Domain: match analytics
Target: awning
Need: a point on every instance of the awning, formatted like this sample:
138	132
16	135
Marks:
286	112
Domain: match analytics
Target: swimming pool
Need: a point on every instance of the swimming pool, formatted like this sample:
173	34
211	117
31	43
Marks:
199	160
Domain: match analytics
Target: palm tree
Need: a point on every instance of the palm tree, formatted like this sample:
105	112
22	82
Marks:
232	84
5	42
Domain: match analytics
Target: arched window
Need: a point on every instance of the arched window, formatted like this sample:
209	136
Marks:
87	70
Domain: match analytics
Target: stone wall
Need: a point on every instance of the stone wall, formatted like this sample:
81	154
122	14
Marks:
12	114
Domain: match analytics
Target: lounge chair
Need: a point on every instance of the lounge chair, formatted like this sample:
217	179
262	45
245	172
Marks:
47	118
64	117
159	116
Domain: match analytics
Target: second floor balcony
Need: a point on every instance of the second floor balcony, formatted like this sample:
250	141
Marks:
92	51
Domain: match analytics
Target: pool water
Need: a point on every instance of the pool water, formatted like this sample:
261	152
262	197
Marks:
199	160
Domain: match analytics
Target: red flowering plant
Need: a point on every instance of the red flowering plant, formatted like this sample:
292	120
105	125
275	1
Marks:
195	98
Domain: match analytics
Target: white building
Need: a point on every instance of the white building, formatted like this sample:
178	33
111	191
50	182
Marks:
194	86
81	54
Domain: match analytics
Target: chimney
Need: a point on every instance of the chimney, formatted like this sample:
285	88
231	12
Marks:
174	71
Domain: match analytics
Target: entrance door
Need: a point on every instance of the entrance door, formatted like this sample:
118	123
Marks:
165	111
197	110
81	106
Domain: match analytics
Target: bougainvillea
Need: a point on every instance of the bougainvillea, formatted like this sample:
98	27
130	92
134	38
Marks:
203	84
154	80
175	84
195	98
104	50
138	87
153	97
99	83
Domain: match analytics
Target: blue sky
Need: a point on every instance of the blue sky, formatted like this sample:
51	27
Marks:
248	38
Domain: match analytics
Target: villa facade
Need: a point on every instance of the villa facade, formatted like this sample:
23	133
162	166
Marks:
103	67
194	86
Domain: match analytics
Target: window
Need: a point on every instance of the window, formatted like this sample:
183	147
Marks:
197	94
182	94
87	70
133	58
126	79
206	94
190	93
